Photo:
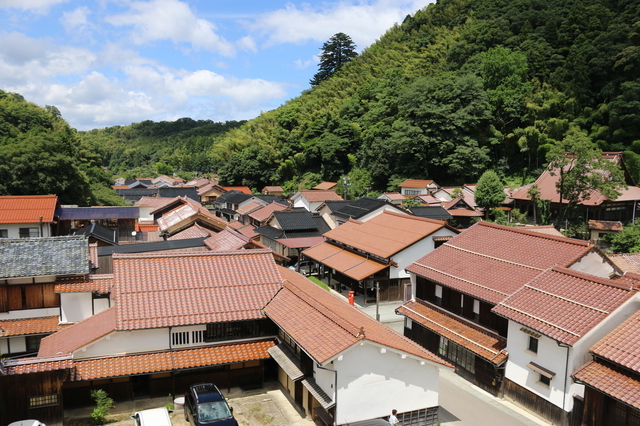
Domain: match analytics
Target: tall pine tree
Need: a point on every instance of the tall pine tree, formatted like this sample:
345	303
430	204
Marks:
336	52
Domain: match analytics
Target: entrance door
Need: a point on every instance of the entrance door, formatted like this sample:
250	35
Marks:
140	386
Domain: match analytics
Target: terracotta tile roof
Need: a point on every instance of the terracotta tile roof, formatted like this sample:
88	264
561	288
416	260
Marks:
543	229
194	231
248	231
627	262
27	208
182	288
605	225
265	212
89	283
243	189
79	334
617	383
415	183
35	365
622	345
546	183
476	261
155	202
186	212
24	326
304	242
393	196
325	185
226	240
93	255
351	264
236	224
563	304
129	365
317	195
146	227
386	234
249	207
488	346
326	326
272	189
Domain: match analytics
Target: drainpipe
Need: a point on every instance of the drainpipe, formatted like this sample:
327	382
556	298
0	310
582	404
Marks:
564	393
335	389
40	220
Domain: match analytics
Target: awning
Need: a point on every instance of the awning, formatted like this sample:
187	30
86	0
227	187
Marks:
318	393
287	360
351	264
538	369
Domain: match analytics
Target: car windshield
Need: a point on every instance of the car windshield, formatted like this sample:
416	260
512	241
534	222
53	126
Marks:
211	411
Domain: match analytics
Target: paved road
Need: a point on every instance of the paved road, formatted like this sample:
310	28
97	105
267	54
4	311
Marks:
462	404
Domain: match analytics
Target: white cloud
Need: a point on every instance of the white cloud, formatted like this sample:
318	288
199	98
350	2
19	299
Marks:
301	65
76	21
171	20
364	21
36	6
247	44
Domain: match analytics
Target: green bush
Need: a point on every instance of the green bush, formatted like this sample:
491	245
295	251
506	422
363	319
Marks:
103	405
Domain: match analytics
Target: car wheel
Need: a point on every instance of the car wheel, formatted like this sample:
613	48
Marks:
315	270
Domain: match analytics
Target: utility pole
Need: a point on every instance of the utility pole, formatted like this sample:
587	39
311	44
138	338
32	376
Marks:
377	300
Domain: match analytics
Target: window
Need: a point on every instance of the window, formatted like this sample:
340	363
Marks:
545	380
33	343
438	295
533	344
4	233
29	233
476	310
411	192
457	354
41	401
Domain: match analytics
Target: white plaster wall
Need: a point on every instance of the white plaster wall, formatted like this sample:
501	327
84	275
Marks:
302	202
123	342
30	313
145	213
4	346
100	305
380	210
414	252
75	307
18	344
13	229
384	382
593	263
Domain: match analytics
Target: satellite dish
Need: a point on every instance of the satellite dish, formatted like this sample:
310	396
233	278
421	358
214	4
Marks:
133	233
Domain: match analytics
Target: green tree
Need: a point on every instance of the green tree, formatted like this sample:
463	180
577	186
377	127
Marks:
625	241
582	170
489	191
534	193
336	52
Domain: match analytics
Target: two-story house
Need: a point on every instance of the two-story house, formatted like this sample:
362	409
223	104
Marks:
27	216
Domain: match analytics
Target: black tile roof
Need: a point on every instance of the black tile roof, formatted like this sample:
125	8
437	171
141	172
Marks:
98	231
87	213
431	212
357	208
270	232
35	257
154	246
179	191
296	220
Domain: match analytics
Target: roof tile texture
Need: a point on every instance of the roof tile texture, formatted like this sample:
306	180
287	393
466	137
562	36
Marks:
614	382
325	325
386	234
25	326
563	304
27	208
318	195
622	345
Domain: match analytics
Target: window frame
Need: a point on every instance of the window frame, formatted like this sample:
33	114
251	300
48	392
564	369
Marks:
533	345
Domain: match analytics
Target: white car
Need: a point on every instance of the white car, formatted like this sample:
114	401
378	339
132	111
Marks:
30	422
153	417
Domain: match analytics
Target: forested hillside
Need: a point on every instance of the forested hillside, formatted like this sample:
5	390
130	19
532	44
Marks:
40	154
459	87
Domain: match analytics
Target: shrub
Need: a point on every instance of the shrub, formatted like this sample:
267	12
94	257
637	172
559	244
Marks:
103	405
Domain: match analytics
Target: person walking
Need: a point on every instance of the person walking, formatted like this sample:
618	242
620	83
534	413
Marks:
393	420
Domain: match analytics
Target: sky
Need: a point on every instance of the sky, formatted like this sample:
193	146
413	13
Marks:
115	62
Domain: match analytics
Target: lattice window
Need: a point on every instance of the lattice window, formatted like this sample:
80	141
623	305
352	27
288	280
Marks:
41	401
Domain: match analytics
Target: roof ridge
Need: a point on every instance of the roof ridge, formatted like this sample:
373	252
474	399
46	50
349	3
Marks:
566	240
492	257
460	279
190	254
589	277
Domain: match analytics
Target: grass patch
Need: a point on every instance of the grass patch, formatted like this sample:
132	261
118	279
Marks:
320	283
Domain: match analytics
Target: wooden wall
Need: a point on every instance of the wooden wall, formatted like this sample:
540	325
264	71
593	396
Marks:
14	404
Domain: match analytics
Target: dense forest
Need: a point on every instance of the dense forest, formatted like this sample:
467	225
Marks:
458	88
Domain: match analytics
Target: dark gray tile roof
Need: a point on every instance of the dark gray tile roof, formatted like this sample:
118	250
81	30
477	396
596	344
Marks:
270	198
270	232
431	212
335	205
98	231
357	208
154	246
86	213
34	257
179	191
296	220
233	196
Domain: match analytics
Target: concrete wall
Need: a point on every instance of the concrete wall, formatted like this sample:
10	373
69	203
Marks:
373	380
414	252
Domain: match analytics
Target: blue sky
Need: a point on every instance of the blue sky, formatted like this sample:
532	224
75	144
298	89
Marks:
116	62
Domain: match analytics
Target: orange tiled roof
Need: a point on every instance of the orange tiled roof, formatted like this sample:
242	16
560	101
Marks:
185	288
79	334
24	326
351	264
265	212
563	304
318	195
194	231
35	365
394	196
185	212
543	229
250	207
617	383
99	283
415	183
386	234
326	326
627	262
489	347
27	208
226	240
605	225
622	345
128	365
272	189
93	254
477	261
146	227
325	185
155	202
243	189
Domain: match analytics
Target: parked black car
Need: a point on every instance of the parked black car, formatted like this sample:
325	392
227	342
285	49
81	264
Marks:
204	404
